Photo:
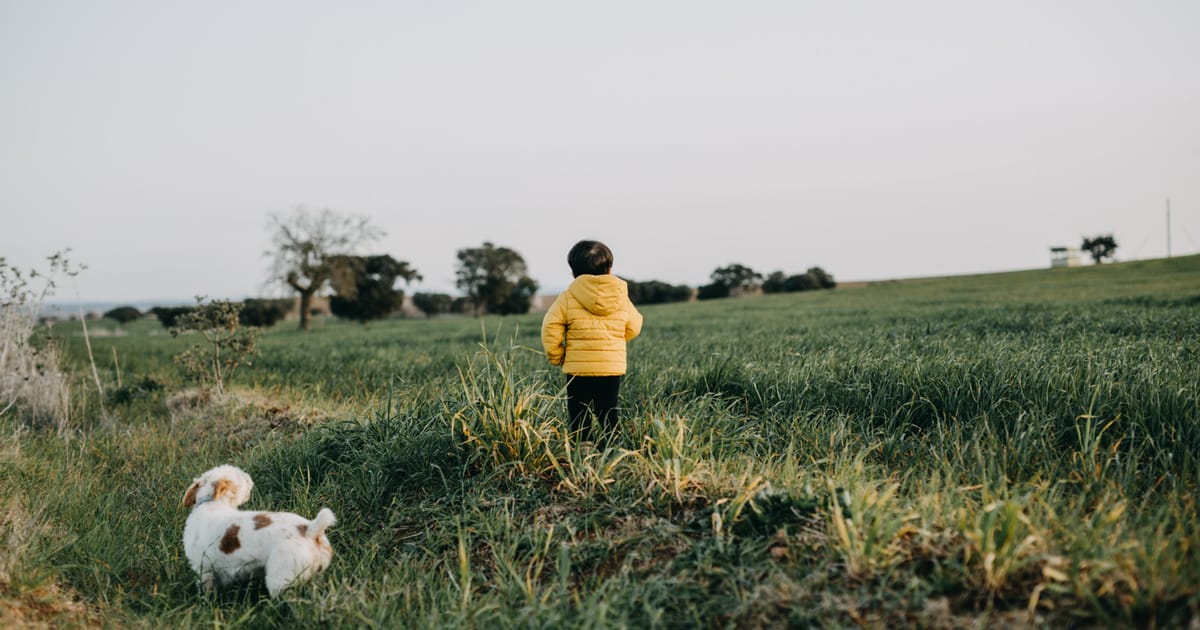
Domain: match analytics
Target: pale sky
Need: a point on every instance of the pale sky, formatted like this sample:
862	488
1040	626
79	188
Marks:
875	139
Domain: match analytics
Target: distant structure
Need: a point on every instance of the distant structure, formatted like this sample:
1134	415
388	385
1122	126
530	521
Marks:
1064	257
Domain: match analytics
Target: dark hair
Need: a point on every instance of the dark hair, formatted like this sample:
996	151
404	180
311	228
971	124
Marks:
590	257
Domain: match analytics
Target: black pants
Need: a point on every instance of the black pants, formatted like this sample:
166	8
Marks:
593	396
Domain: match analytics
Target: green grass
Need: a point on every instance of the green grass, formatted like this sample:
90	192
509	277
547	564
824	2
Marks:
1019	448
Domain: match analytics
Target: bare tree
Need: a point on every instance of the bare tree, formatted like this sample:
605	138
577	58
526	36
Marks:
305	244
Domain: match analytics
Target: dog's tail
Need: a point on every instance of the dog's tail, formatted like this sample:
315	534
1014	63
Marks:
316	527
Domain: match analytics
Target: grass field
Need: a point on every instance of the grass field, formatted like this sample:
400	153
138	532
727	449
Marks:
1008	449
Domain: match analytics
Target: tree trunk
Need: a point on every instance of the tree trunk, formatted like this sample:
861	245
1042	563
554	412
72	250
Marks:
305	307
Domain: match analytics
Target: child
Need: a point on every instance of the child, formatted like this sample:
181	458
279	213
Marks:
585	332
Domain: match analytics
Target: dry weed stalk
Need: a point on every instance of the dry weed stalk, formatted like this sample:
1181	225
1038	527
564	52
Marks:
30	378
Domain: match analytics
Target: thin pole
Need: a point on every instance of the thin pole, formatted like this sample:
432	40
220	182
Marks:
1168	227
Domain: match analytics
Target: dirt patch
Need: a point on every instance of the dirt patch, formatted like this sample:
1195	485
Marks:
47	606
241	416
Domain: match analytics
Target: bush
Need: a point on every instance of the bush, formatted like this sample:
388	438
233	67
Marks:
372	303
123	314
713	291
814	278
820	278
227	345
146	387
799	282
656	292
264	313
169	315
432	303
776	282
519	299
364	287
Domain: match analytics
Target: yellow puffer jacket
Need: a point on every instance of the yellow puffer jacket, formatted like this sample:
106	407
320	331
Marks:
586	328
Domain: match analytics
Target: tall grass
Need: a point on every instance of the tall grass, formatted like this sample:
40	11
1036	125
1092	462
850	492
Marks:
996	450
33	385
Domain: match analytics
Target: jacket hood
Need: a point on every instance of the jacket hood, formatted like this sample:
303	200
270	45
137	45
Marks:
601	295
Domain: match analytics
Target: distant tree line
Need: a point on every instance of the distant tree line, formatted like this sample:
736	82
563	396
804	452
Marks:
313	251
262	313
259	312
318	252
737	279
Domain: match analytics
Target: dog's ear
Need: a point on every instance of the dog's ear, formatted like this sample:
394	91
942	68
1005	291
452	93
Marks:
189	499
223	486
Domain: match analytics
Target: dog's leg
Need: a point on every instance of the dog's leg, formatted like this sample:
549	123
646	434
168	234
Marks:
282	570
207	585
286	569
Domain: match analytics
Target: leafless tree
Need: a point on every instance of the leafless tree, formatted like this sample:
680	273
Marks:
305	244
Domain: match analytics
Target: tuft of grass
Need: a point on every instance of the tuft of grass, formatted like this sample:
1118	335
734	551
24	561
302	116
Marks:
672	460
505	418
868	523
1003	542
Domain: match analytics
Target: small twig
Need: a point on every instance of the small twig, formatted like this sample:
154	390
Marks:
88	342
116	365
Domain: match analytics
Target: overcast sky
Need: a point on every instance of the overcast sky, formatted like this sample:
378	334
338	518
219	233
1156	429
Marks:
875	139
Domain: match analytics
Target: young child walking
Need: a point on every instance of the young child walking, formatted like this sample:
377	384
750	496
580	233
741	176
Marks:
585	332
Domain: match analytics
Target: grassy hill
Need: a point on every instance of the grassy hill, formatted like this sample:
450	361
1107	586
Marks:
1017	448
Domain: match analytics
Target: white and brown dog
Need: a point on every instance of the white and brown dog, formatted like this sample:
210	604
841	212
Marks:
228	545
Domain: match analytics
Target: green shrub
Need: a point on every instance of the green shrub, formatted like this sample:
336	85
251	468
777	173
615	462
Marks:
432	303
264	313
123	314
226	344
169	316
